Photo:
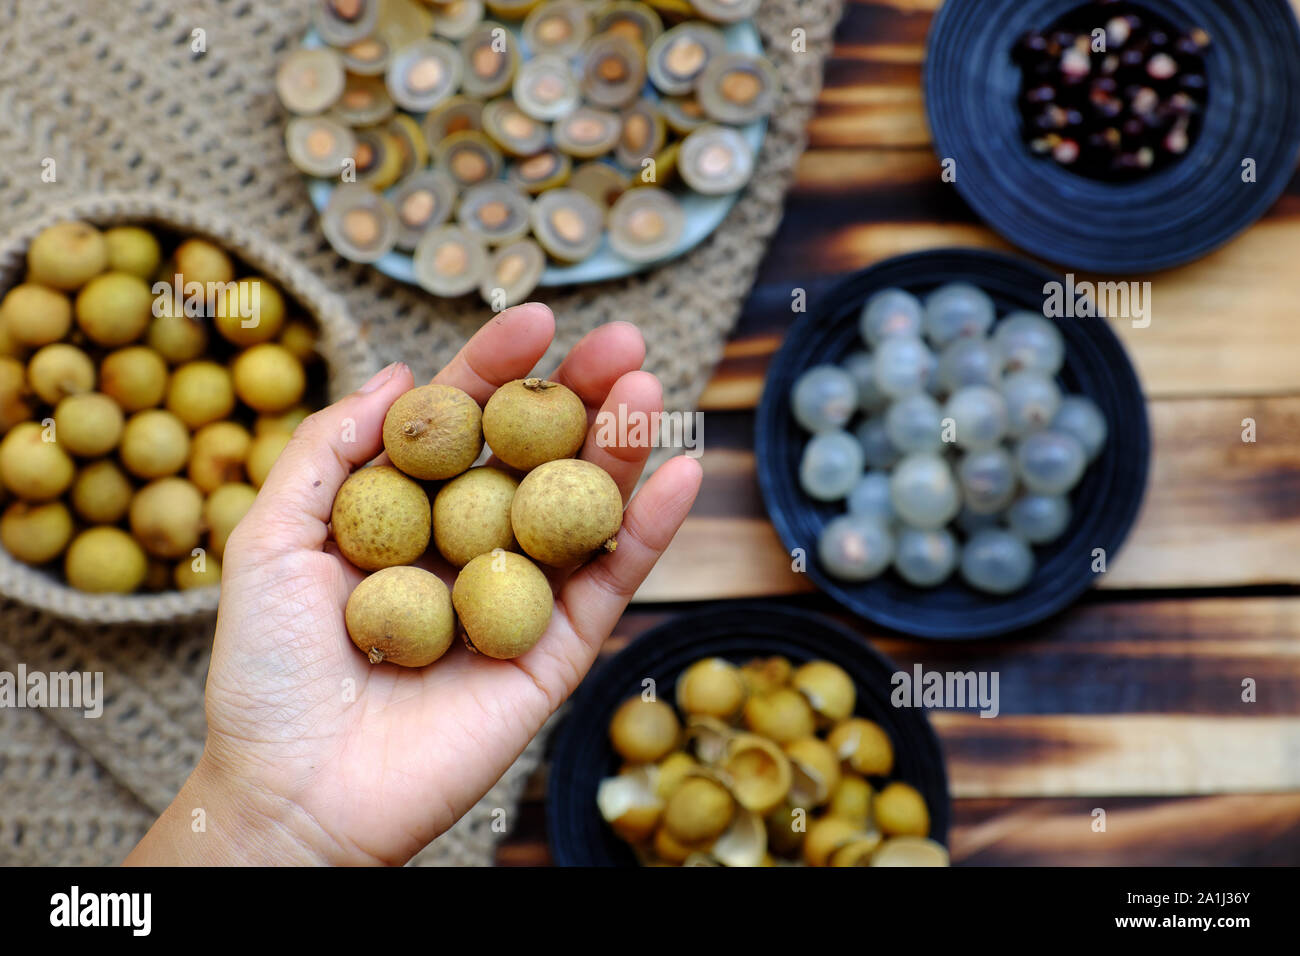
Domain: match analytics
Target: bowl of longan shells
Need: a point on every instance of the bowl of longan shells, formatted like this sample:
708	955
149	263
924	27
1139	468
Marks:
154	360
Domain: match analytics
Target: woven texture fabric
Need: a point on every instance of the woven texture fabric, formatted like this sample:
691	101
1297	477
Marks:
116	97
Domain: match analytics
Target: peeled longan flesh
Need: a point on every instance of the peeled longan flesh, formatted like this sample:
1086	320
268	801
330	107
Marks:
199	393
200	571
262	454
114	308
105	559
249	312
381	518
166	517
401	615
504	603
197	260
268	378
36	533
471	515
530	421
224	509
35	315
31	467
89	424
155	443
14	406
217	455
644	731
177	337
133	250
101	493
433	432
67	255
565	511
59	370
134	377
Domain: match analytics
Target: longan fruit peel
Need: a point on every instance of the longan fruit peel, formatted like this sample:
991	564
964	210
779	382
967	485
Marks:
401	615
566	511
531	421
504	604
433	432
381	518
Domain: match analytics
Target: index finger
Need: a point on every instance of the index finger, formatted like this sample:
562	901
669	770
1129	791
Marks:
506	348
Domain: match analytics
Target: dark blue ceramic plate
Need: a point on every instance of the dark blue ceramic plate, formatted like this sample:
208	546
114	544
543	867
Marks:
581	755
1171	217
1104	504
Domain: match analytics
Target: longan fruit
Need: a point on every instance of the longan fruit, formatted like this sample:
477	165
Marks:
433	432
531	421
14	406
224	509
217	455
176	336
89	424
188	577
155	443
901	811
401	615
135	377
35	315
101	492
299	337
504	604
133	250
471	515
254	301
566	511
268	378
285	422
199	393
166	517
262	455
105	559
644	731
114	308
59	370
36	533
67	255
31	467
198	260
381	518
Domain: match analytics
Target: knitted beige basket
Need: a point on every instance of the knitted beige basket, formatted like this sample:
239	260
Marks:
348	359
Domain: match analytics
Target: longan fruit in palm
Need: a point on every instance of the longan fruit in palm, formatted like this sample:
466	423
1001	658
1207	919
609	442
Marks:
105	560
154	444
285	422
199	393
565	511
433	432
114	308
67	255
176	336
198	260
201	571
35	315
133	250
224	509
166	517
268	378
14	406
36	533
217	455
88	425
31	467
101	492
249	312
262	454
381	518
299	337
401	615
135	377
504	603
471	515
531	421
59	370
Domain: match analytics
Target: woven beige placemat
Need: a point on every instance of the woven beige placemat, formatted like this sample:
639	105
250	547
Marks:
115	96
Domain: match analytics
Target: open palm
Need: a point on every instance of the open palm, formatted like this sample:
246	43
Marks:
375	761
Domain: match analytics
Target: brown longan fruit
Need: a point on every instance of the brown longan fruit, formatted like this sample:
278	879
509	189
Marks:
299	337
224	509
504	603
199	393
900	810
35	315
201	571
643	731
36	533
135	377
67	255
433	432
59	370
101	492
14	406
268	378
166	517
31	467
105	559
471	515
262	454
381	518
401	615
176	336
254	301
198	260
133	250
565	511
217	455
531	421
155	444
114	308
89	424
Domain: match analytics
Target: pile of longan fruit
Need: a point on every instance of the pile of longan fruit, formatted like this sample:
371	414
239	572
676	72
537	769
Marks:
137	427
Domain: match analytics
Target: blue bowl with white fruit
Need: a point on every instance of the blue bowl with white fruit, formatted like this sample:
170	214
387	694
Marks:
943	454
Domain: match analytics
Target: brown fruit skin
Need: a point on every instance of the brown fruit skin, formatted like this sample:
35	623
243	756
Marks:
105	559
67	255
401	615
503	608
198	260
59	370
217	455
35	315
134	377
471	515
200	393
114	308
102	493
241	296
155	443
268	378
89	424
134	250
644	731
698	810
31	467
565	511
531	421
36	533
166	517
433	432
381	518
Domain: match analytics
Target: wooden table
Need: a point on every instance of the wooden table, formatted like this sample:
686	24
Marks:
1131	701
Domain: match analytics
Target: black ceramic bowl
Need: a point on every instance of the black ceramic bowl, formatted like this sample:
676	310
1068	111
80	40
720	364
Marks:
581	755
1105	502
1174	215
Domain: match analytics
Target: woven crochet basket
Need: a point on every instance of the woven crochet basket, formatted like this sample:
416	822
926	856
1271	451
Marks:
347	357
